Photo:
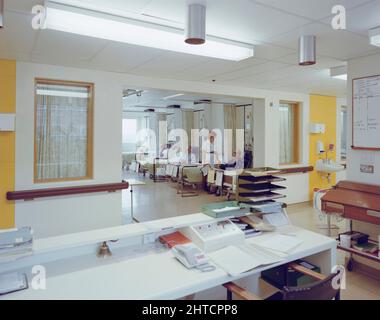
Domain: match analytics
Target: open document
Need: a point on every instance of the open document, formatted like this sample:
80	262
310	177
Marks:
236	260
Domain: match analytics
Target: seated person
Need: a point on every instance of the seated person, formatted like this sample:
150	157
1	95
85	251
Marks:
236	162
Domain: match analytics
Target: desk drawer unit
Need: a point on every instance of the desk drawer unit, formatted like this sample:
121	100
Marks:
362	214
332	208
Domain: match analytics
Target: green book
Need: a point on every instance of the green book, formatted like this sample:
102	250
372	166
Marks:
366	247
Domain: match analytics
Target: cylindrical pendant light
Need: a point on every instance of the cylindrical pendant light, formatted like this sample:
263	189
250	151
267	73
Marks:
1	14
196	24
307	50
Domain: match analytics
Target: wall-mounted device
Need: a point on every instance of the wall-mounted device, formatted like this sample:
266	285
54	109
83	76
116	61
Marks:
215	235
320	147
7	121
317	128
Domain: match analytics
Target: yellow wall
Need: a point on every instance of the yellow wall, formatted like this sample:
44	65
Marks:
7	142
322	110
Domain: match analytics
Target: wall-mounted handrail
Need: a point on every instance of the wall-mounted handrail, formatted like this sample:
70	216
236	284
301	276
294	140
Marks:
296	170
65	191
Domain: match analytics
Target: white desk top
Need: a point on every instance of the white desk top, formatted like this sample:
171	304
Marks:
157	275
134	182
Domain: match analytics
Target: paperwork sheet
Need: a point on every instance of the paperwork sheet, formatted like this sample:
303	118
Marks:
281	243
239	259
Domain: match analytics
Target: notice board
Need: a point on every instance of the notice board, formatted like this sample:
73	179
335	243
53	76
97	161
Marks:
366	113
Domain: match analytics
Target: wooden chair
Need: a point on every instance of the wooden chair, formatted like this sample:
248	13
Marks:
322	289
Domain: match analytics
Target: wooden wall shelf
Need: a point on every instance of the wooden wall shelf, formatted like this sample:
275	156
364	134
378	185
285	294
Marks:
65	191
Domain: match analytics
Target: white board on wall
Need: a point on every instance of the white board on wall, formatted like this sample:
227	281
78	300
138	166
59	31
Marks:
366	113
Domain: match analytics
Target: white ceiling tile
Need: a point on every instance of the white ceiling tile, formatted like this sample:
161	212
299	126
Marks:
123	57
271	52
322	62
250	71
171	62
363	18
24	6
339	44
313	9
240	20
61	43
18	34
214	68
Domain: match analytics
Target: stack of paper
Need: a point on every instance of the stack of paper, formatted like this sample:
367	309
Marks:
15	243
239	259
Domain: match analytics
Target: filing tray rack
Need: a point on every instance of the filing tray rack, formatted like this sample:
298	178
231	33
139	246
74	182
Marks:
257	186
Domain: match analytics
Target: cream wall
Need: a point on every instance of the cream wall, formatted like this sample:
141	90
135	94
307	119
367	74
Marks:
66	215
267	141
367	66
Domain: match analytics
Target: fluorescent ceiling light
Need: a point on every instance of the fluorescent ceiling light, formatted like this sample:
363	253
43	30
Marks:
339	72
374	36
104	26
174	96
341	77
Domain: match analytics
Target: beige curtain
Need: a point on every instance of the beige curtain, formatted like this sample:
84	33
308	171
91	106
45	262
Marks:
286	133
61	131
230	123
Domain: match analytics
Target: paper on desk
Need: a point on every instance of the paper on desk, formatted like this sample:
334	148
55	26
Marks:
281	243
11	282
239	259
277	219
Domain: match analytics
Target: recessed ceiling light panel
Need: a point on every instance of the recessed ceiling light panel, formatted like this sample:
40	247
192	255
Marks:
109	27
339	72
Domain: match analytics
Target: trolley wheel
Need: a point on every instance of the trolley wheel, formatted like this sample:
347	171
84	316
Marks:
350	265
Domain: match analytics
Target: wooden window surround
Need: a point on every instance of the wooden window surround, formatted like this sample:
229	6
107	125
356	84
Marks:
296	111
90	129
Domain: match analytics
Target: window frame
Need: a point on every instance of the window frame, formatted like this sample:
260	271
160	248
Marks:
343	109
296	106
90	129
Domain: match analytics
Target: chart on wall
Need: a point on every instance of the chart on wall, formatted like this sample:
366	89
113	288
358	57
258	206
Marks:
366	113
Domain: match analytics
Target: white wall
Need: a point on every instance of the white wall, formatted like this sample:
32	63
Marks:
360	68
267	141
56	216
367	66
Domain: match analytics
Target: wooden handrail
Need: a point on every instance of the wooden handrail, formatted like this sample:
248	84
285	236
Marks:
296	170
65	191
241	292
306	271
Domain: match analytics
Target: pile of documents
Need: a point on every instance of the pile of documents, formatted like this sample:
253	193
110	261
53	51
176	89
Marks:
15	244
